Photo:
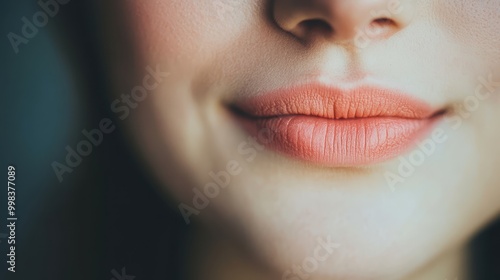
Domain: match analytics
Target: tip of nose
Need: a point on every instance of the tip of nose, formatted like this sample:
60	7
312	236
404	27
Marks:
339	21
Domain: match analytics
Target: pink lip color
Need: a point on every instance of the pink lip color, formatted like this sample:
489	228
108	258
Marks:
336	127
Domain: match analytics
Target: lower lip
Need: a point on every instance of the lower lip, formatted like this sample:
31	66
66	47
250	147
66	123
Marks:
339	143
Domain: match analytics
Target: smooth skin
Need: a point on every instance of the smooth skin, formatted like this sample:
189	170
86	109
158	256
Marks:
274	209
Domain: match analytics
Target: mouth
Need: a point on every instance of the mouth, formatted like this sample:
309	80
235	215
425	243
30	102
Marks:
337	127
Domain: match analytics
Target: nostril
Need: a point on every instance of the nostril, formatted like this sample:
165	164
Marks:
384	21
317	23
382	27
317	26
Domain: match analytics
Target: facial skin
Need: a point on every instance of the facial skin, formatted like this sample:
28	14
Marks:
275	209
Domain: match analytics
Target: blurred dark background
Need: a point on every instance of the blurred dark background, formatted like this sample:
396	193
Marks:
105	220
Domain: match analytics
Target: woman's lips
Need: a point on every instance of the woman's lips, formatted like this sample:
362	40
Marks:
337	127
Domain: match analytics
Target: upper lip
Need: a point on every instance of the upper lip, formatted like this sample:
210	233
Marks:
326	101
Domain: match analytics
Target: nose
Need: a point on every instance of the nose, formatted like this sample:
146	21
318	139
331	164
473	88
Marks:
341	20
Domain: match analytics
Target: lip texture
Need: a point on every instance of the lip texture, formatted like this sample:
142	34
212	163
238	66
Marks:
337	127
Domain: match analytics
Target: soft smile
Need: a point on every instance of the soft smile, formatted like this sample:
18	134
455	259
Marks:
338	127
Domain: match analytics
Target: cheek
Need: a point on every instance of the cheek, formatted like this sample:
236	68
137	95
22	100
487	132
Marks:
474	23
184	38
184	30
160	28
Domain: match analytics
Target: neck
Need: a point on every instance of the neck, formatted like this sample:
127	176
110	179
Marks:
214	257
451	265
